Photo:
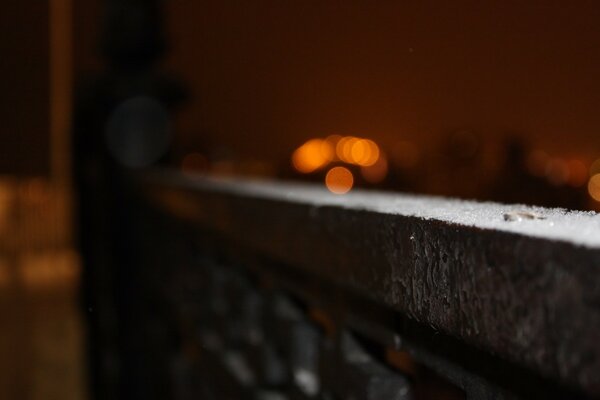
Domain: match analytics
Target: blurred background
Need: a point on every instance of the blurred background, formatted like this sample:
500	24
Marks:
479	100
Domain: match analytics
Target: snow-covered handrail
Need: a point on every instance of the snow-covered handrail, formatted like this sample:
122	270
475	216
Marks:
518	282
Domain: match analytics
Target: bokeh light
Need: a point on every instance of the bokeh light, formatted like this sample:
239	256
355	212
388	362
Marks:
344	148
365	152
594	187
312	155
339	180
377	172
357	151
318	153
595	168
138	132
360	151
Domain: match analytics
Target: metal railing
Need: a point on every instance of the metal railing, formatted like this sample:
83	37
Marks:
284	291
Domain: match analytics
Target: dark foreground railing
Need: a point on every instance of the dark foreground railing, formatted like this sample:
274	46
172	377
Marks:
279	291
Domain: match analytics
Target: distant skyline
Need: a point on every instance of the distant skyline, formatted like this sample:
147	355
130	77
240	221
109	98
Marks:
265	76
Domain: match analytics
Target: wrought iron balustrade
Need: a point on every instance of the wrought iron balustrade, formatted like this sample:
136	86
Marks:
283	291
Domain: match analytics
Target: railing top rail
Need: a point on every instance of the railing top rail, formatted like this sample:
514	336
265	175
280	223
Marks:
580	228
521	282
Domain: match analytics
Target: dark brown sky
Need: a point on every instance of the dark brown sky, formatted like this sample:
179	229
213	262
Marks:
268	74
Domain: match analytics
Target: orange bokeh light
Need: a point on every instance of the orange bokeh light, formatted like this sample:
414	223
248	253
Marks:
359	151
353	150
377	172
318	153
339	180
594	187
364	152
344	148
312	155
595	168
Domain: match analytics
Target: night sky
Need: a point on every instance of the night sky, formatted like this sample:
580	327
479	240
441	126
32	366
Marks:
267	75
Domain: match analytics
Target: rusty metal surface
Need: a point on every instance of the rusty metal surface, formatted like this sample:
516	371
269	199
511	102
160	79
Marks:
529	299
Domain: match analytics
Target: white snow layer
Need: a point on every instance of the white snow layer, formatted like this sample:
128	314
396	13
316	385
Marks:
577	227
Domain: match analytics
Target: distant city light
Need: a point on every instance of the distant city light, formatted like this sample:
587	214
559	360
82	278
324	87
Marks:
594	187
365	152
377	172
344	148
312	155
339	180
595	168
318	153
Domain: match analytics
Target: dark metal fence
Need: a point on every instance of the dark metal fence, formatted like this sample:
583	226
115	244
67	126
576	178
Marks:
276	291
